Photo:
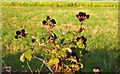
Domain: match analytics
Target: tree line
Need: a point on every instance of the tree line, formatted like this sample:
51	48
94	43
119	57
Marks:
63	4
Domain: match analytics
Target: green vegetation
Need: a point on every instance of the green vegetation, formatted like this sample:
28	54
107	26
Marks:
62	4
101	31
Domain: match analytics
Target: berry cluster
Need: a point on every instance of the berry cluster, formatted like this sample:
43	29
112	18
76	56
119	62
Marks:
20	33
82	16
49	21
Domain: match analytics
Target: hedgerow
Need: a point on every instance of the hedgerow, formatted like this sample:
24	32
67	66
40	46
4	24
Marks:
62	4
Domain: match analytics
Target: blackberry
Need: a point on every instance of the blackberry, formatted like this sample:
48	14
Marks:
23	31
84	14
81	19
84	39
53	21
48	18
81	13
78	38
23	35
33	40
44	22
18	32
16	37
87	16
77	15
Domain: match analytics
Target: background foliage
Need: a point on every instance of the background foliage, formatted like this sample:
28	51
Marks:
63	4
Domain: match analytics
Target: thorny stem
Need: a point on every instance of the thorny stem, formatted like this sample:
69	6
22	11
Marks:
38	71
118	70
7	67
44	63
29	68
41	66
4	63
44	57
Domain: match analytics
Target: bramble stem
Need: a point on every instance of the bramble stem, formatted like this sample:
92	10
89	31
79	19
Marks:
44	63
4	63
41	66
29	68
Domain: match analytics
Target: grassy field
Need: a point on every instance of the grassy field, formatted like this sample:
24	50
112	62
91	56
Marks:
101	30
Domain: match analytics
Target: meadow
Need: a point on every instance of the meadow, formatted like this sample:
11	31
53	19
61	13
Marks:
101	30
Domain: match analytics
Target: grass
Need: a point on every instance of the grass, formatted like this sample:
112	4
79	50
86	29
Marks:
101	32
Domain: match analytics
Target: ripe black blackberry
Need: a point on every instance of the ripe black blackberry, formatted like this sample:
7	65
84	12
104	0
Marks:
53	21
84	39
23	31
48	18
84	14
87	16
77	15
81	19
44	22
23	35
33	40
78	38
16	37
81	13
18	32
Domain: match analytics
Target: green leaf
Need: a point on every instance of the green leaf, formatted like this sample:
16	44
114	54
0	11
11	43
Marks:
28	55
53	61
80	45
55	54
49	46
